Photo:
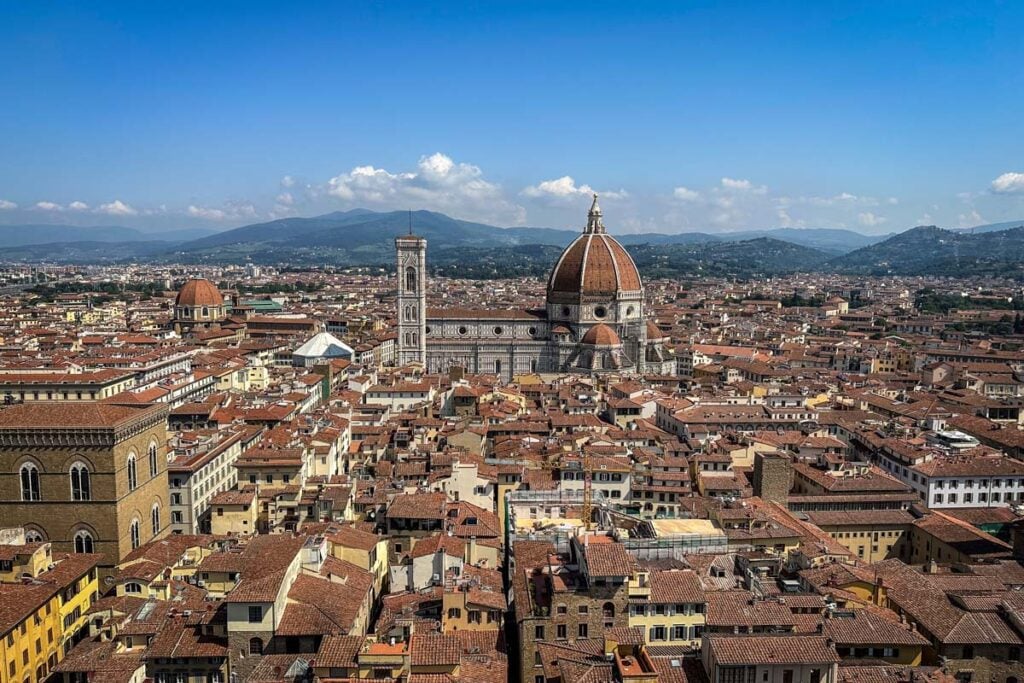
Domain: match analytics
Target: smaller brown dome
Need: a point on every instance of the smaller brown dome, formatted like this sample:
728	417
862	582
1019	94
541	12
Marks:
653	332
199	292
601	335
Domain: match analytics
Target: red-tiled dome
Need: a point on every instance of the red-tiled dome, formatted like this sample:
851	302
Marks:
601	335
653	332
199	292
595	264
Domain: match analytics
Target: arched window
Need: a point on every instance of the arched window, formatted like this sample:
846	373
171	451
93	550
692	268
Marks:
133	532
133	473
133	587
497	367
152	460
84	542
30	482
410	279
33	536
206	312
81	487
255	646
154	516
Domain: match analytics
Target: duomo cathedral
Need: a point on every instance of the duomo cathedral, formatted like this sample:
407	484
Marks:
593	321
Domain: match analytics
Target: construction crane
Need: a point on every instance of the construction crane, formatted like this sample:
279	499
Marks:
587	510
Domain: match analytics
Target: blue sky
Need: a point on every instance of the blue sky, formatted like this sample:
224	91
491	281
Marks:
684	116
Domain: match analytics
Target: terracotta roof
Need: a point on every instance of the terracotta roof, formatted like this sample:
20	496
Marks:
71	414
675	587
601	335
199	292
865	627
608	559
653	332
740	608
338	651
765	649
418	506
595	263
434	650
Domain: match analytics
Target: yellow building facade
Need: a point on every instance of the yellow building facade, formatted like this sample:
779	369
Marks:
45	614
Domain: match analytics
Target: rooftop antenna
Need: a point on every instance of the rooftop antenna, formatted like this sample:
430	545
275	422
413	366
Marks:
410	222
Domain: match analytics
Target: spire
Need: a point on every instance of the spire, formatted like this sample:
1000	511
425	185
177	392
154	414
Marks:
594	222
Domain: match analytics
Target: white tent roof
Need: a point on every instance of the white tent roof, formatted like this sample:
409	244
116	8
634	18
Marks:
324	345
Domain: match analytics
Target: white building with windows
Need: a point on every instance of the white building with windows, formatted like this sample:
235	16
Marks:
969	482
955	478
203	466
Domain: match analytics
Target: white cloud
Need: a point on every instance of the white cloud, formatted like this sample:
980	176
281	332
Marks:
232	211
281	211
5	204
970	219
1008	183
205	212
287	181
438	183
49	206
117	208
742	185
566	187
838	200
786	221
686	194
78	206
869	219
841	199
559	187
285	198
155	210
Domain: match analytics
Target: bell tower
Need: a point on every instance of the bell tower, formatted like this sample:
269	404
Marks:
412	299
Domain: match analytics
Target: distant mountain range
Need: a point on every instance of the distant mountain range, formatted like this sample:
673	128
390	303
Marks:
21	235
927	250
360	230
362	237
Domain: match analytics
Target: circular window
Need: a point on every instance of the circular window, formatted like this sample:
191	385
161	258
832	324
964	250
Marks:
462	330
532	331
498	330
600	312
565	310
630	310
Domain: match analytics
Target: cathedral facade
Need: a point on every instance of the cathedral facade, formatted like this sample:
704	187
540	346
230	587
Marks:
593	320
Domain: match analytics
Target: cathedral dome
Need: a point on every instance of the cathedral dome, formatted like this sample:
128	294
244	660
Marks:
199	292
601	335
594	266
653	332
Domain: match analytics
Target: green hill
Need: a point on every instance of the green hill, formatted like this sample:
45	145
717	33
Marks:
928	250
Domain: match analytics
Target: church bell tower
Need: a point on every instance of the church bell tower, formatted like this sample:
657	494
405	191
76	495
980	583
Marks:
412	299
